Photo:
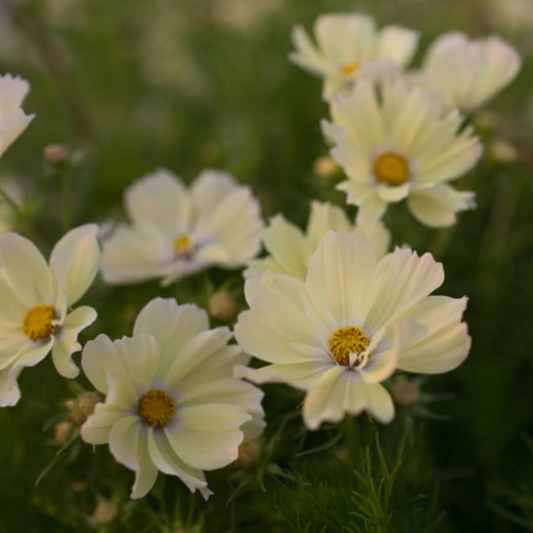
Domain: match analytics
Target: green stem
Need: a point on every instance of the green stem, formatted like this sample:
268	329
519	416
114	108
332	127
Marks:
65	191
11	203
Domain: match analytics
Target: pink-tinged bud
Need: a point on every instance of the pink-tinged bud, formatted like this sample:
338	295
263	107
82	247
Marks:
405	393
82	407
222	306
61	432
56	154
105	512
249	451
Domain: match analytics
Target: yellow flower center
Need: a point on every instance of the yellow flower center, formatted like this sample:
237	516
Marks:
345	341
392	168
156	408
181	244
38	322
350	68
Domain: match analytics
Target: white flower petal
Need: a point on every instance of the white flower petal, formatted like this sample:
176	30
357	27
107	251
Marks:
140	357
75	260
98	426
132	255
307	55
166	460
300	375
393	194
66	340
371	210
9	389
437	206
146	474
287	245
207	436
324	217
160	204
200	348
171	325
11	126
444	343
100	359
398	44
124	441
341	278
404	279
27	270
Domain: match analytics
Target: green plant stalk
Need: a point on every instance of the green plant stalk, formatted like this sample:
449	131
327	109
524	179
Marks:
65	193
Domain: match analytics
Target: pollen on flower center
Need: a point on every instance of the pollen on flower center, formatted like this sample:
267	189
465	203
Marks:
345	341
157	408
391	168
350	68
181	243
38	322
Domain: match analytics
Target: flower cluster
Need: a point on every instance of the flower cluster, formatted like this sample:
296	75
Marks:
332	311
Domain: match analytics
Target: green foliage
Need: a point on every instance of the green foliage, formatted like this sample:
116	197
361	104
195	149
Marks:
135	85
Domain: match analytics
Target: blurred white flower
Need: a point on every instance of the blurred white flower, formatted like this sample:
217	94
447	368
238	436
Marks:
13	121
35	317
177	231
466	73
394	142
346	42
172	403
350	325
290	249
243	15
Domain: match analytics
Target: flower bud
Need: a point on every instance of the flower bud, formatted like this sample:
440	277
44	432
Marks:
325	167
405	393
82	407
503	153
222	306
56	154
61	432
249	451
105	512
486	120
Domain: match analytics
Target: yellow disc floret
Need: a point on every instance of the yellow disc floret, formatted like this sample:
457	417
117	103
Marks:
345	341
38	322
350	68
182	244
157	408
392	169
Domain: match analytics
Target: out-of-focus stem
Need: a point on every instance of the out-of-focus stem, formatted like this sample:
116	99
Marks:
10	202
54	60
65	193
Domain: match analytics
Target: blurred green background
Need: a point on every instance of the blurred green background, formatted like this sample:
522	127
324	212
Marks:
193	84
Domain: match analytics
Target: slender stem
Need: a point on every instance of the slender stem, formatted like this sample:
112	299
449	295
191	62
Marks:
10	202
65	192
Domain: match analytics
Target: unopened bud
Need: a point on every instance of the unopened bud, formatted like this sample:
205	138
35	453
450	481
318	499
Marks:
82	407
56	154
105	512
405	393
325	167
486	120
249	451
503	153
61	432
222	306
341	452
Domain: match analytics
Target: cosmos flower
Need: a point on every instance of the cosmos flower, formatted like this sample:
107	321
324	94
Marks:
394	142
346	44
466	73
172	403
13	120
353	321
35	317
177	232
290	249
